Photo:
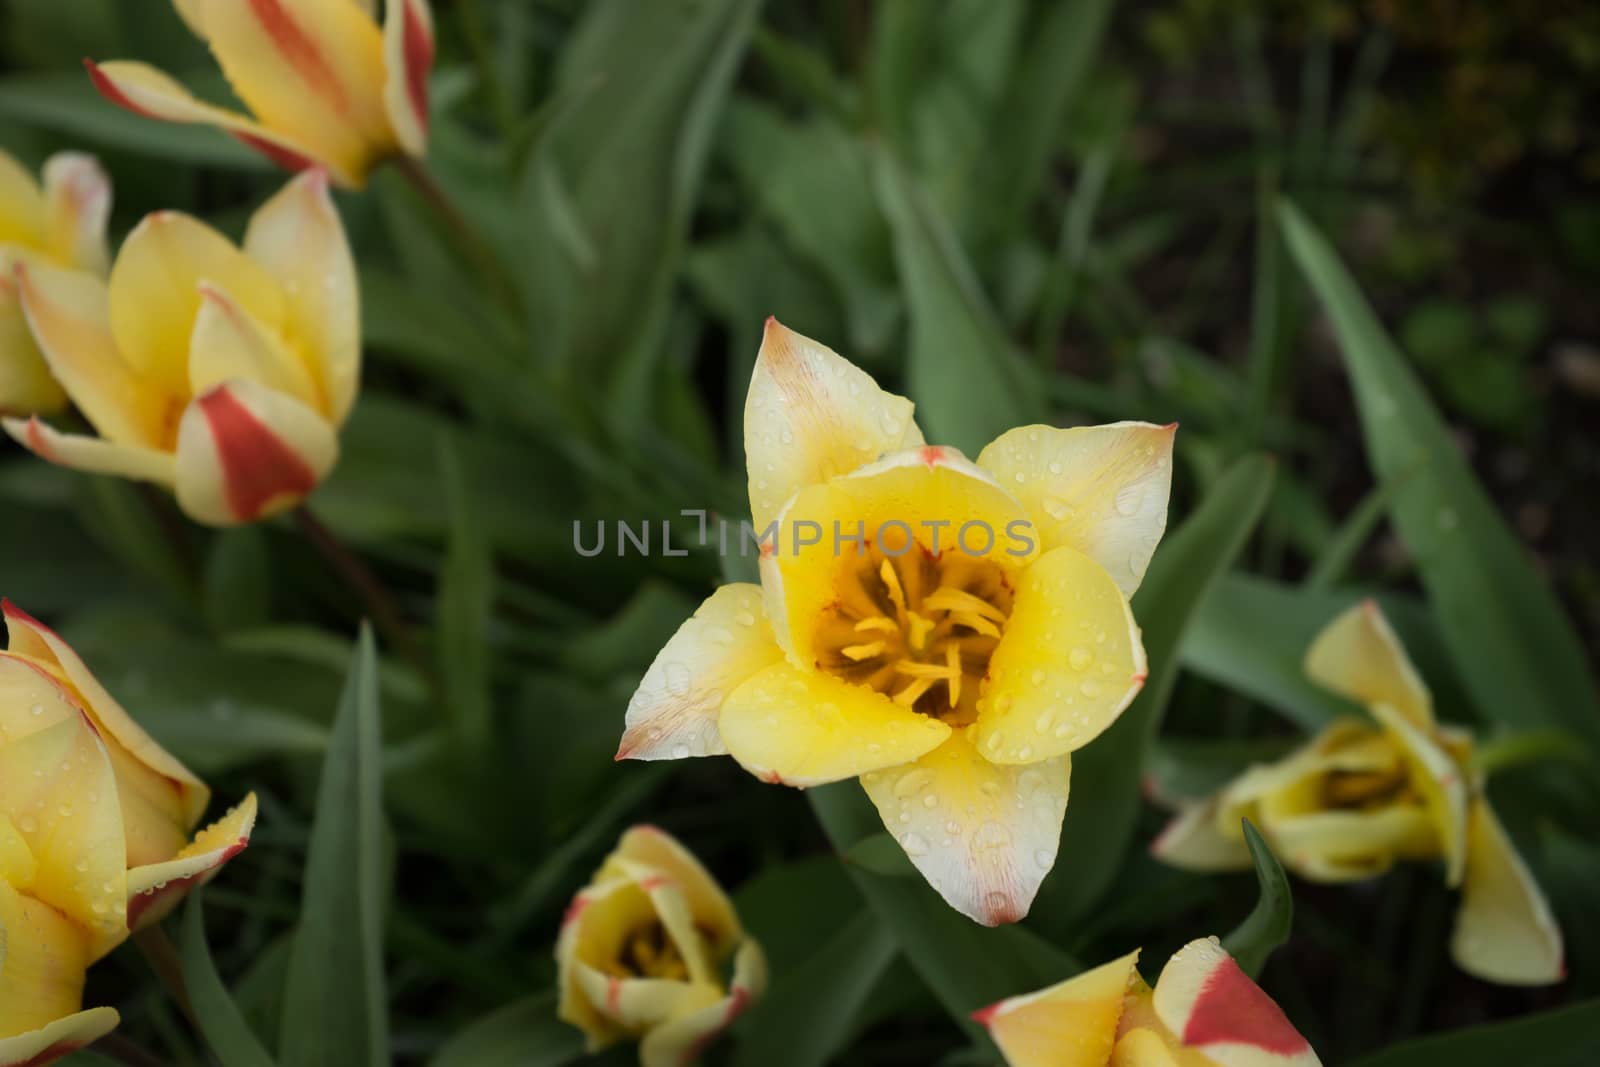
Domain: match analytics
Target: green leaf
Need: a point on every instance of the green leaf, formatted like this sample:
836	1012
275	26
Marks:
1524	664
1268	924
237	584
807	1017
221	1022
963	372
1560	1038
882	855
465	606
524	1033
1104	807
335	1011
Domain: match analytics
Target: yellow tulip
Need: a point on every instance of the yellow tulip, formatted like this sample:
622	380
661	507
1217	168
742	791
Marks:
1363	794
327	85
1203	1012
220	374
952	668
643	949
62	223
95	820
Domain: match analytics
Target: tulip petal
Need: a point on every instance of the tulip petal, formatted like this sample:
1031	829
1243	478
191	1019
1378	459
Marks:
18	867
155	294
1070	1024
1358	656
983	835
1437	777
91	454
1339	846
59	1038
806	728
1211	1005
77	197
1504	931
634	1004
408	48
229	343
22	212
811	415
298	238
159	792
1100	489
713	912
1193	841
58	790
310	68
682	1040
1069	662
26	387
69	314
144	90
597	923
246	452
930	493
155	889
673	714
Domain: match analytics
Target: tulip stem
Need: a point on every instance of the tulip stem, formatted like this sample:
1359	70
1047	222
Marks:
468	240
162	956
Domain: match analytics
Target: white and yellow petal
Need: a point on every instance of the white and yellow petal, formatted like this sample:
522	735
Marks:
673	714
982	834
597	923
1439	780
246	452
61	1037
712	912
803	728
1194	840
91	454
681	1040
229	343
155	889
408	48
298	238
22	213
1070	660
1505	931
811	415
1210	1005
1100	489
1071	1024
1358	656
26	385
77	196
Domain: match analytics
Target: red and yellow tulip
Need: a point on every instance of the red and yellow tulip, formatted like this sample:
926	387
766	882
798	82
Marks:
954	676
328	86
1363	794
1203	1012
219	373
60	222
95	823
643	950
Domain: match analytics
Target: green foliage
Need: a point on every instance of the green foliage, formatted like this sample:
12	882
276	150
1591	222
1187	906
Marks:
1267	926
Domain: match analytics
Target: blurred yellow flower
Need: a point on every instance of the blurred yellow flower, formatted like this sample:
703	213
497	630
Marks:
643	949
1203	1012
950	635
63	223
327	85
1361	795
220	374
95	820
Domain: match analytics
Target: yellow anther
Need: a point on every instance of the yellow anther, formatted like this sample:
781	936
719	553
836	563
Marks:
913	692
976	622
952	659
920	629
891	581
879	622
861	652
946	598
935	671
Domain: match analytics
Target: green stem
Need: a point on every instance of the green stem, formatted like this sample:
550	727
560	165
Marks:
162	956
468	241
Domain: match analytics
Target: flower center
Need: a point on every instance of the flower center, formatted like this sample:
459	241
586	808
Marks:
649	952
917	627
1366	790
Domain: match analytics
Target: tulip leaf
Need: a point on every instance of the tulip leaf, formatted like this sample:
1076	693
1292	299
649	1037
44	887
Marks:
1104	806
965	965
1560	1038
335	1008
1267	926
1523	663
965	376
881	854
221	1022
465	606
524	1033
808	1015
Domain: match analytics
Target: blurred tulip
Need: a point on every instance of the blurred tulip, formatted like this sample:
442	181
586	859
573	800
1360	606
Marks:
63	224
219	374
953	675
1362	795
327	84
95	819
643	949
1203	1012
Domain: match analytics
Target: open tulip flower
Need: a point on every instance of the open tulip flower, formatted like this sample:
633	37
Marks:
947	631
328	86
642	952
1203	1012
64	224
1361	795
95	819
220	374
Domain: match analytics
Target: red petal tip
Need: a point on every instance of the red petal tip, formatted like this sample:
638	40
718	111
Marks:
984	1016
